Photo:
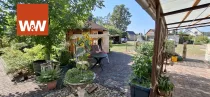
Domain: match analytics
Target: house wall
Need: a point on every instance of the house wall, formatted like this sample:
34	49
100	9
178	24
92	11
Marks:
174	37
131	37
72	38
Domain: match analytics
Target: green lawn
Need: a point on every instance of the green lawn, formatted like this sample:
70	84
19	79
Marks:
122	47
192	50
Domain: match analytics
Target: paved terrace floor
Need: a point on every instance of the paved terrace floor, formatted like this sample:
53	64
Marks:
191	78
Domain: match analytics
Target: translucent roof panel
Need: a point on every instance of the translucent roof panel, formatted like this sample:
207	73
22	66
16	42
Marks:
199	13
172	5
175	18
175	25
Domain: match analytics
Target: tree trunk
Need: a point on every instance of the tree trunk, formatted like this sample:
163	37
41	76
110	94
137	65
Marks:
48	51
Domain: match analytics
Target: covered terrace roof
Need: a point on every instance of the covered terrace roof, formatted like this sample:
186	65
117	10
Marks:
180	14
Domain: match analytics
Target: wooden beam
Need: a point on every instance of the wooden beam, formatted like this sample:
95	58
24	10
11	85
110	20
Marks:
186	9
188	13
200	20
189	21
190	25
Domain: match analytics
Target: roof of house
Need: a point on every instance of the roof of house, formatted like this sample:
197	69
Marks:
92	25
131	32
95	26
150	32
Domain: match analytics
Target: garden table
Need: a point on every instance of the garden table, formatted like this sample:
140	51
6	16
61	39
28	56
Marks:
98	57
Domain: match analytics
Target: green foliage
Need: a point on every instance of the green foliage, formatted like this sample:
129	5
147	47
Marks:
75	75
110	44
201	39
16	60
142	66
146	49
113	30
49	75
35	53
63	15
165	84
18	46
170	47
65	58
120	17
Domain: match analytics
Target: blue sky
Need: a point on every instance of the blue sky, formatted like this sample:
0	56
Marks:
141	22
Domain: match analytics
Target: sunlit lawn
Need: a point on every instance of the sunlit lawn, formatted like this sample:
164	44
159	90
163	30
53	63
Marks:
122	47
192	50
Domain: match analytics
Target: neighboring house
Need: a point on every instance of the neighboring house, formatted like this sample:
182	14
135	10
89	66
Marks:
193	32
174	37
150	35
139	37
98	34
131	35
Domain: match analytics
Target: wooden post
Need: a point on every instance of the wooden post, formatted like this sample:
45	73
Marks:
184	50
156	49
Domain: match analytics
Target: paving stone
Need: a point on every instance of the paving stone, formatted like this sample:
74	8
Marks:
191	78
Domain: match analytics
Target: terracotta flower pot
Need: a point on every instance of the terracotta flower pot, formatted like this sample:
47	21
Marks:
162	93
51	85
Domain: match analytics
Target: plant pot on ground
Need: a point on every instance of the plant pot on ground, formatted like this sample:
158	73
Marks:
78	78
49	77
165	86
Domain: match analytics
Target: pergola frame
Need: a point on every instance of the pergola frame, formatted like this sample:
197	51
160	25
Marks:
154	9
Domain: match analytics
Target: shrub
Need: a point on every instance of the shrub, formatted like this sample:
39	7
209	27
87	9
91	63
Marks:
75	75
170	47
19	46
142	66
65	57
164	84
145	49
35	53
201	39
49	75
16	60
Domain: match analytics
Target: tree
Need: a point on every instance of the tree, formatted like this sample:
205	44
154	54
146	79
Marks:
120	17
63	15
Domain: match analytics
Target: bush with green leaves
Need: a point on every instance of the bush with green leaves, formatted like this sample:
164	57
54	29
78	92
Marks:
35	53
164	84
170	48
16	60
201	40
65	58
145	49
19	46
142	66
75	75
49	75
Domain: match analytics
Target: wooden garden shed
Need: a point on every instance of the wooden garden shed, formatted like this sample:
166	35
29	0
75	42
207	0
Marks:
98	34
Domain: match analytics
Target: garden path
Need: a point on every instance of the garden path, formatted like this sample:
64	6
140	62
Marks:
116	74
11	89
191	78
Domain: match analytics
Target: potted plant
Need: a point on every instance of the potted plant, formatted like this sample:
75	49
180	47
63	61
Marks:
80	76
49	77
165	86
141	77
